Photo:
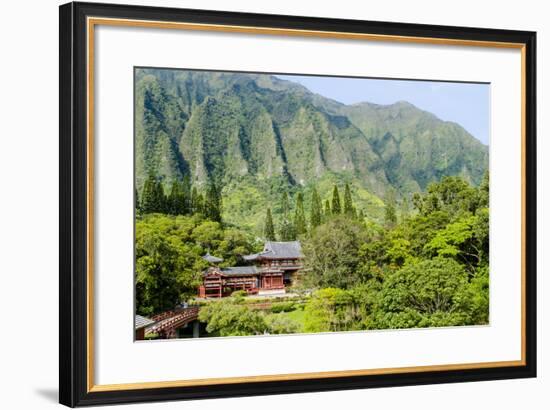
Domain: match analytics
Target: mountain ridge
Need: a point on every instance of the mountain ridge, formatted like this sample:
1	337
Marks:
263	130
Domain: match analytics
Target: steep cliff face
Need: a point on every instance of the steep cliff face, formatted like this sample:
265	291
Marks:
416	147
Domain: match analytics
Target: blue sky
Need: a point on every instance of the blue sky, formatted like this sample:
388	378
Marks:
467	104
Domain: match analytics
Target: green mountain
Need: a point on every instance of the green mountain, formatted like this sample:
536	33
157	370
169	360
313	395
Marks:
258	135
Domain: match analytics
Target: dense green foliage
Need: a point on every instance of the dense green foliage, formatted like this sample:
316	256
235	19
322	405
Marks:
332	310
432	292
332	253
231	318
430	269
180	200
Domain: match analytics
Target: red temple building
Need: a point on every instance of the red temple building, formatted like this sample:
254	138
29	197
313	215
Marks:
272	270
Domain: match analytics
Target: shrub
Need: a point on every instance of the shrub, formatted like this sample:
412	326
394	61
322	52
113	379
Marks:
280	324
283	307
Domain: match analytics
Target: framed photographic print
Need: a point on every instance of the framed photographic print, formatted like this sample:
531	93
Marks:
261	204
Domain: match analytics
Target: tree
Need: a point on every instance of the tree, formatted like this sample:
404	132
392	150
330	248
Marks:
137	204
349	209
161	197
466	240
328	211
186	188
153	199
300	225
269	229
167	269
286	231
332	253
479	285
484	191
285	204
230	317
418	202
197	202
176	200
331	310
213	203
453	195
234	243
390	215
404	211
316	209
481	234
208	235
336	207
429	293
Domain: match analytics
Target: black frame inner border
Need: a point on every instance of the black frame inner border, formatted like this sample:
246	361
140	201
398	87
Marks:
72	210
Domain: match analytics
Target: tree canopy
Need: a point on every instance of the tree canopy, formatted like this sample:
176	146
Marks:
429	267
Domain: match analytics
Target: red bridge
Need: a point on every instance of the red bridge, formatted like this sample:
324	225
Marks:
167	323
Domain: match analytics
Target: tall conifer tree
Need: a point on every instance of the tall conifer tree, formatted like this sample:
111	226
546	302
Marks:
300	225
269	229
153	199
186	187
316	209
176	199
404	211
197	202
147	196
137	204
390	214
336	207
213	203
286	231
348	202
200	203
328	211
160	198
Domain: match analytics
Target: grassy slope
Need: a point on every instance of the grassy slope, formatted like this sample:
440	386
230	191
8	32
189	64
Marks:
245	202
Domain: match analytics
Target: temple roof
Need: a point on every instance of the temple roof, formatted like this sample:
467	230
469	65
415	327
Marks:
252	257
278	250
284	249
240	270
142	321
212	259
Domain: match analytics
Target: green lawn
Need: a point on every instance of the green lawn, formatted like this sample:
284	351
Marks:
297	316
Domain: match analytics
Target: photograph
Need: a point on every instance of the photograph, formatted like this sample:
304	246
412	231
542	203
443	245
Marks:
281	203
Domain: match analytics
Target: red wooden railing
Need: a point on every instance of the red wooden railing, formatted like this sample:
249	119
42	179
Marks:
167	322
